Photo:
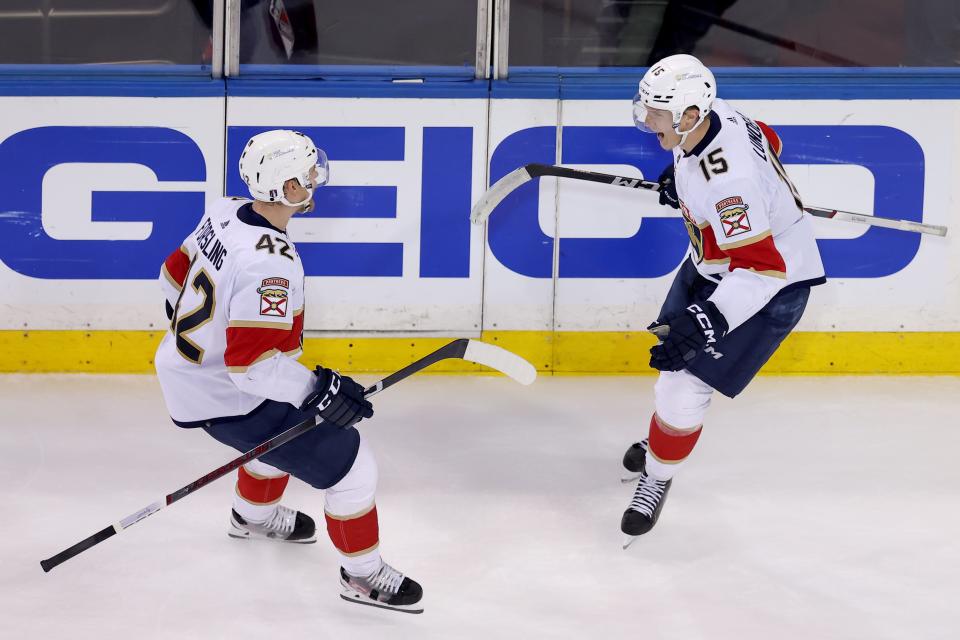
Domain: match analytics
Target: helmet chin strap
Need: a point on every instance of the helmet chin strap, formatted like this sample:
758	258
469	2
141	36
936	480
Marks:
683	136
306	203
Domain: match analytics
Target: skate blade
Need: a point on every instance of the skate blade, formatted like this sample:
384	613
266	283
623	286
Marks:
247	536
352	596
628	540
629	477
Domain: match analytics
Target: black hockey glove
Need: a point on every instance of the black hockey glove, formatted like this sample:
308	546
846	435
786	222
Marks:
692	331
338	399
668	189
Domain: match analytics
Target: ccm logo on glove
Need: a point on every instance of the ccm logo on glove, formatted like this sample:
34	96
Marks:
337	399
694	330
704	321
330	392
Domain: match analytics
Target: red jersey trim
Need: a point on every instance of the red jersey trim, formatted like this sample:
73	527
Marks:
247	345
761	256
175	267
776	144
243	368
294	339
712	252
253	324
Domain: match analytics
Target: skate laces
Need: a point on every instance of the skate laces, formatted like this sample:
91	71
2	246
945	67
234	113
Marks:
647	495
386	579
282	521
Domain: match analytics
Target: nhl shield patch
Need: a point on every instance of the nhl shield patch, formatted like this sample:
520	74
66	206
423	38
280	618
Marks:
733	216
273	297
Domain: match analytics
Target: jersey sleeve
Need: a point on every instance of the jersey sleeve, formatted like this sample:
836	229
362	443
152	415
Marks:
740	221
264	333
776	144
173	272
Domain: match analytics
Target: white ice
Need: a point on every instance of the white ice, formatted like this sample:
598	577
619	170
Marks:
812	508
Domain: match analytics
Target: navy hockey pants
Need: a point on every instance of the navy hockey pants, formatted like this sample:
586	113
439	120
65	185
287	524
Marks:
748	347
320	457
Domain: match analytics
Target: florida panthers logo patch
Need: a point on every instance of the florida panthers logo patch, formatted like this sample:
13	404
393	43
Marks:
733	216
273	297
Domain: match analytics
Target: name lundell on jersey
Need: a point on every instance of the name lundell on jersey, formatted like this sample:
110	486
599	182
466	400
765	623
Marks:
743	215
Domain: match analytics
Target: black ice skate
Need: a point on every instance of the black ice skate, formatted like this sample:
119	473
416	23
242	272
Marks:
286	525
634	461
645	507
386	588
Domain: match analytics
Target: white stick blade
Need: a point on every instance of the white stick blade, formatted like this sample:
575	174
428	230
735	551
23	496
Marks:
507	363
496	193
877	221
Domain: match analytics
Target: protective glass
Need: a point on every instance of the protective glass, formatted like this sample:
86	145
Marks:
323	170
640	115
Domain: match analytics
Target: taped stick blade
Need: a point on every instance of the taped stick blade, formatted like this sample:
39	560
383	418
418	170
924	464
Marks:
496	193
507	363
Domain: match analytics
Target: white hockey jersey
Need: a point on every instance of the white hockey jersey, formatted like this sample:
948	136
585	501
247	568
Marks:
236	290
743	214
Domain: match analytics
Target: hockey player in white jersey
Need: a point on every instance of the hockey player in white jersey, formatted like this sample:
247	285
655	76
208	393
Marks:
228	365
745	282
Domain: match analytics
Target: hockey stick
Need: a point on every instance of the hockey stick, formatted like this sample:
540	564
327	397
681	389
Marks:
506	185
482	353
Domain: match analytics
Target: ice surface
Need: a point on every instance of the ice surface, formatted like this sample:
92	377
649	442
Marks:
812	508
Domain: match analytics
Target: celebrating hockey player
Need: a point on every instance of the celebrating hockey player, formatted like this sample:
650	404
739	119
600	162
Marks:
228	365
746	281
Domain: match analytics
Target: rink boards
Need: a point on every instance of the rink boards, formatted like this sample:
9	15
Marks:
99	189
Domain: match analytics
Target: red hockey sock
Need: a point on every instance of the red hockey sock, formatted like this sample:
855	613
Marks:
669	445
355	534
259	489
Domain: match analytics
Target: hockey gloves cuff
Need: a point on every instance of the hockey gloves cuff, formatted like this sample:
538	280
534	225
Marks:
668	188
337	399
694	330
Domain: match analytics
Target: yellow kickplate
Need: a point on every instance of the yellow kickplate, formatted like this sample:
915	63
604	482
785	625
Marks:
561	353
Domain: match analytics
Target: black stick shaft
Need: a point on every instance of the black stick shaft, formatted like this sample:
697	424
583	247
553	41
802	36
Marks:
256	452
453	349
78	548
540	170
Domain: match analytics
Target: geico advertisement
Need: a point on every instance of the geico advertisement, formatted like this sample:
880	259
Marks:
94	202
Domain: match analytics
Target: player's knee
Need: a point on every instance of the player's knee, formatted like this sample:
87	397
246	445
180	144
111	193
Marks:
263	469
365	466
681	399
362	478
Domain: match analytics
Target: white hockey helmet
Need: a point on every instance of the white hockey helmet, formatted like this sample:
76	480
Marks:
675	84
273	157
